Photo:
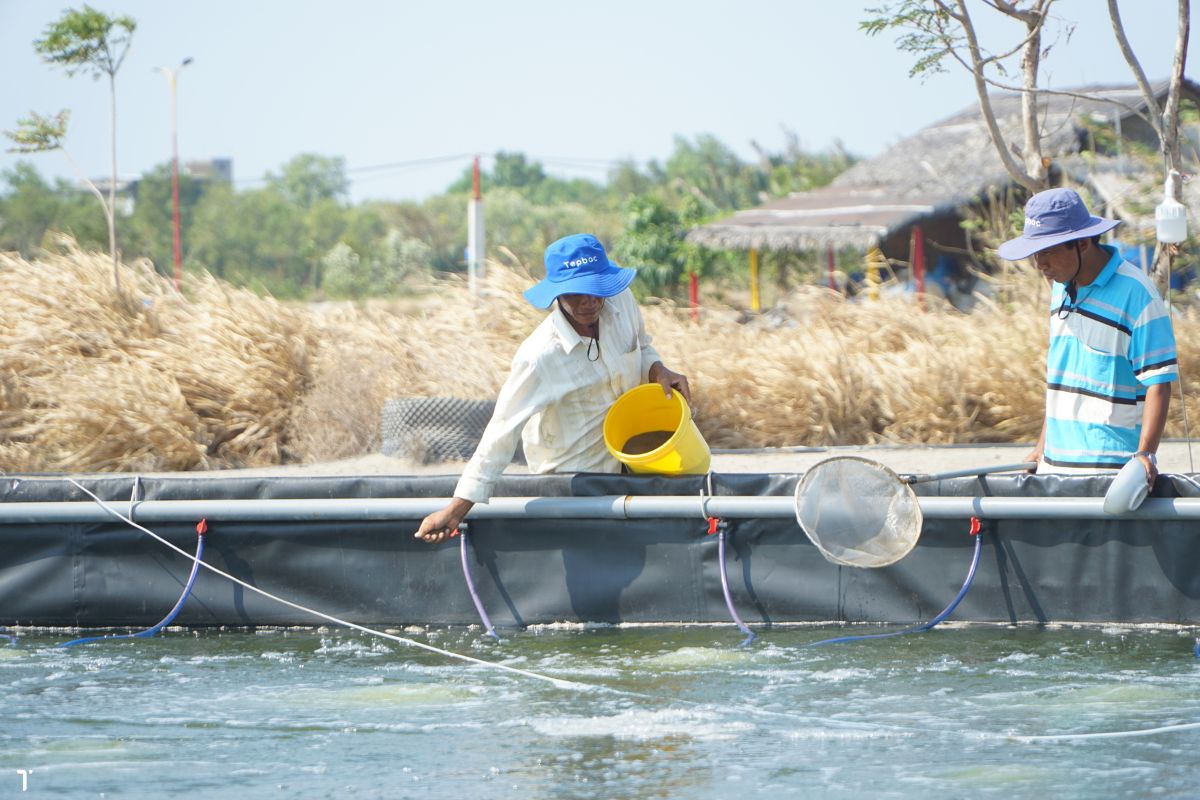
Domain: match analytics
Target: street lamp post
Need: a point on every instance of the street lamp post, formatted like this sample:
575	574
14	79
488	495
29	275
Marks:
177	246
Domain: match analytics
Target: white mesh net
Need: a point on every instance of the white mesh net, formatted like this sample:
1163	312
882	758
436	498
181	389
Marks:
857	512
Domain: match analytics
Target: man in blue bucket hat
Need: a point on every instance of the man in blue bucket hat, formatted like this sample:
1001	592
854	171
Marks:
590	350
1111	358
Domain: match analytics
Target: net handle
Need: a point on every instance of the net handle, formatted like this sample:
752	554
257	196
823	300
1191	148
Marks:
1023	466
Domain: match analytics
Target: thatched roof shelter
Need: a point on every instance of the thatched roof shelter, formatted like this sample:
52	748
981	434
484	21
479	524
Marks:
1129	192
931	174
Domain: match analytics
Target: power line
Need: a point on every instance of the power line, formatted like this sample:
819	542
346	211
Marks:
416	162
390	169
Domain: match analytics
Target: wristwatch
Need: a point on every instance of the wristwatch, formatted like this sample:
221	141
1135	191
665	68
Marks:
1153	458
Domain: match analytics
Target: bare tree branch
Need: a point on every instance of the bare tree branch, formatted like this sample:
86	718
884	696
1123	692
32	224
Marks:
1170	120
1032	17
1096	98
1014	169
994	57
1114	14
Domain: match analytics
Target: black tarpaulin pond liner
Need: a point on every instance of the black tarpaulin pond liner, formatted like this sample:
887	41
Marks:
543	570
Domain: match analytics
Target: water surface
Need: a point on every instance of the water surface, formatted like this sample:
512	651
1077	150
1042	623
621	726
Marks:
671	713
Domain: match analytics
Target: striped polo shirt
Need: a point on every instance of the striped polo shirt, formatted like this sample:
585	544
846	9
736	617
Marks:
1106	347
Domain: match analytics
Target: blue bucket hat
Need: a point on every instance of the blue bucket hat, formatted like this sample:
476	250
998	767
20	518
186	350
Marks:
577	264
1053	217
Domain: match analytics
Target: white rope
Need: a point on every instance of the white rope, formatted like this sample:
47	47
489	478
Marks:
705	497
133	495
1182	394
562	684
1062	737
575	685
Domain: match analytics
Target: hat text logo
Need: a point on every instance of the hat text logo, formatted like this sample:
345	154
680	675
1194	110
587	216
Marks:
579	262
1033	223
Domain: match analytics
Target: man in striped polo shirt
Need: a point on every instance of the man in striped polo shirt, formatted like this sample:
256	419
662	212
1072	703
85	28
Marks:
1111	359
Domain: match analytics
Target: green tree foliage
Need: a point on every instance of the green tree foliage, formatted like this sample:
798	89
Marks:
385	269
651	242
149	228
926	31
31	208
346	274
710	171
626	180
701	180
797	170
251	238
529	179
525	227
90	42
299	236
309	179
28	208
87	41
274	239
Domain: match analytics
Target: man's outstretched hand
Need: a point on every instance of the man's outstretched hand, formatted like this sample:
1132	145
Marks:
439	525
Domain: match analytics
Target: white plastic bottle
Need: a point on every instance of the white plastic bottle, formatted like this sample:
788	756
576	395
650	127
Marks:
1170	217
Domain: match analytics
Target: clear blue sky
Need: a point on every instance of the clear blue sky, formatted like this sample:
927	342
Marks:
574	85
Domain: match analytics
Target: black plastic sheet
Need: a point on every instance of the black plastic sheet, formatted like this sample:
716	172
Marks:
613	571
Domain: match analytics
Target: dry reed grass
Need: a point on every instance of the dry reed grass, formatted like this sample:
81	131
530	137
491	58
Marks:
150	381
220	377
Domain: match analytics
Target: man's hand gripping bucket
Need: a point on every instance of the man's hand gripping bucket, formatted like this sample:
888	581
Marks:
652	433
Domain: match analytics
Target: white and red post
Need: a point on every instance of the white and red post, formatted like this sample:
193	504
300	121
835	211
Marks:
475	238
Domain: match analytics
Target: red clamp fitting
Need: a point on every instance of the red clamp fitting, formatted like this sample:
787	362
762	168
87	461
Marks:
713	523
976	526
202	527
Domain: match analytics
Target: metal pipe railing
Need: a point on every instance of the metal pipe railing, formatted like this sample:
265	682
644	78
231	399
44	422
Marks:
601	507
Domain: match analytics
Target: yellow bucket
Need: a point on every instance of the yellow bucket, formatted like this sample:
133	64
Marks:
659	432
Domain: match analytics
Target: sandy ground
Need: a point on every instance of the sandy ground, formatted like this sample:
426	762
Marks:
1173	457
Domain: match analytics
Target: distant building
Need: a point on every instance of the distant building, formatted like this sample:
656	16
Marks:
214	170
125	195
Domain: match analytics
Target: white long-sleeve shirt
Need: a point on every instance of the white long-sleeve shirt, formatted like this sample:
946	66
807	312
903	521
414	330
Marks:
555	399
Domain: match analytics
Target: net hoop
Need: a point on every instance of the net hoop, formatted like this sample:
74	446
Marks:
857	512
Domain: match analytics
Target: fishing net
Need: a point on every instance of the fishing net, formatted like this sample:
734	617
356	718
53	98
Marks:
857	512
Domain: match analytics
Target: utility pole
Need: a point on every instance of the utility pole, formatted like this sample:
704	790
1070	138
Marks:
177	245
475	237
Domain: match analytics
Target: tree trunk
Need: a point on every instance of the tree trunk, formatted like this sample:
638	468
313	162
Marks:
1031	54
112	188
1164	255
1018	172
1165	123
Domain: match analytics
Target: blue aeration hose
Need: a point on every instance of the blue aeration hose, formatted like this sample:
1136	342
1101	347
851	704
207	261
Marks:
722	526
201	529
947	611
463	546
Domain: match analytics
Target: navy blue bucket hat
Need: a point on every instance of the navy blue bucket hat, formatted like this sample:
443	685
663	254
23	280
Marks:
1053	217
577	264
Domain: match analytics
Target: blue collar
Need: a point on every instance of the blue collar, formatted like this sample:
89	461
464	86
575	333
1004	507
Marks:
1110	269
